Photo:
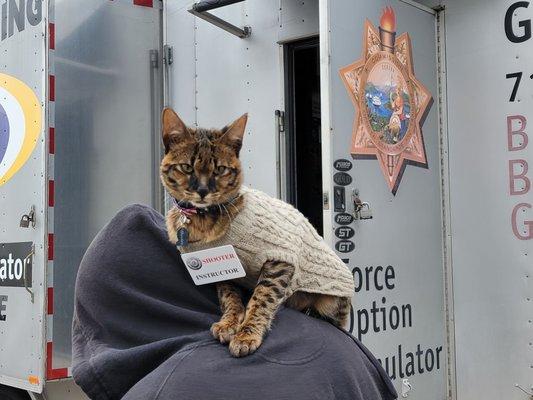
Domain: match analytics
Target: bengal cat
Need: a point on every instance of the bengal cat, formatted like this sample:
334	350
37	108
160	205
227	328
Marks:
201	167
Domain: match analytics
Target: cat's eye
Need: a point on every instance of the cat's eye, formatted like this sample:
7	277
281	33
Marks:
186	168
221	170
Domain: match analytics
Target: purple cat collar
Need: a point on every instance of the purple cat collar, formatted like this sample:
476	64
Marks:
185	209
189	209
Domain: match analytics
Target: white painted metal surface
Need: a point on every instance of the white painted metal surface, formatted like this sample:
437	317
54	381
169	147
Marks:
216	77
22	325
492	267
405	234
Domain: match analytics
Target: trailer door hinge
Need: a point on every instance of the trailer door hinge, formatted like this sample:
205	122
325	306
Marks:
168	54
281	120
154	59
29	260
325	200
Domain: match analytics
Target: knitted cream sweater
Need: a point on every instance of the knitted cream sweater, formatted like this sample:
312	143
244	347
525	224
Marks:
268	229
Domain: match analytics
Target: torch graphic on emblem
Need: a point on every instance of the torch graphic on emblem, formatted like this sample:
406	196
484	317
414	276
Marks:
387	30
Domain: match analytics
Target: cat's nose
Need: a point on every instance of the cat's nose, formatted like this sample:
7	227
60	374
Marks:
203	191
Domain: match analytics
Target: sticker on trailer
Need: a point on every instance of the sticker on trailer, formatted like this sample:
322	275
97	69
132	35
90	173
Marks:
16	264
391	103
20	125
344	219
342	165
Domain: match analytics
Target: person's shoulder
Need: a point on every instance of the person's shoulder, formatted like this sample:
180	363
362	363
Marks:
135	216
134	212
129	224
356	365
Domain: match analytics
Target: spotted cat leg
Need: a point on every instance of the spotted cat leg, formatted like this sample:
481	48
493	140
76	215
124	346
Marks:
269	293
333	308
232	309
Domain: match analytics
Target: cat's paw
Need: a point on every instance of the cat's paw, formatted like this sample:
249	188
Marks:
225	329
244	343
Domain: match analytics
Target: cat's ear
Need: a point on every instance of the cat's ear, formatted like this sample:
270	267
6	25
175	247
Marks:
173	128
234	133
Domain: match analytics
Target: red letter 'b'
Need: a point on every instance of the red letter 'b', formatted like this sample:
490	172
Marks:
520	131
522	176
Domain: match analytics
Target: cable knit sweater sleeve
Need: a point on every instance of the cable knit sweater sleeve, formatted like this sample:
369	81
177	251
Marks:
268	229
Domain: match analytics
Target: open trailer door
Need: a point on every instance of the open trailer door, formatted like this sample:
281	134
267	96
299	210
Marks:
380	113
23	120
107	143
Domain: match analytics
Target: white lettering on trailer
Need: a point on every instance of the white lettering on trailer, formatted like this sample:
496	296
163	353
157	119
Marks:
11	268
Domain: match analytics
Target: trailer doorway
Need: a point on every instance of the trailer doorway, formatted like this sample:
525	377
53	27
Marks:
303	144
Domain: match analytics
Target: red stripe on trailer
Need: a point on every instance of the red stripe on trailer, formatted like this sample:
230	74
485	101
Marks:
51	194
50	301
52	33
52	140
50	247
52	81
52	373
144	3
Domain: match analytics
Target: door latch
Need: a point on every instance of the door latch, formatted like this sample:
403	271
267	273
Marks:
361	209
28	219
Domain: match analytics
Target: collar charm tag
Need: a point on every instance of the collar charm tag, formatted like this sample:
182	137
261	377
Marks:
183	233
183	237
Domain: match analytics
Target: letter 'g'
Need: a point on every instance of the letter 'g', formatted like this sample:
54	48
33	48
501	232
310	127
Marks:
528	235
508	23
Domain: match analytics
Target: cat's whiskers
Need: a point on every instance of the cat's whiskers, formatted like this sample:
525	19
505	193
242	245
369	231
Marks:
232	202
229	214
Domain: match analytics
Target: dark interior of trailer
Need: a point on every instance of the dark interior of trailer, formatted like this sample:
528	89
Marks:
304	158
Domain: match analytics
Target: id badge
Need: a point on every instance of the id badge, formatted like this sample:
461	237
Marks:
213	265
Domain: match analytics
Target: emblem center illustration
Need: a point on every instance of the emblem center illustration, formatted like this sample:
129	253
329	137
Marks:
390	102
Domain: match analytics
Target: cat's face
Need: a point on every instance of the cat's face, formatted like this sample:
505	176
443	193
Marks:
201	166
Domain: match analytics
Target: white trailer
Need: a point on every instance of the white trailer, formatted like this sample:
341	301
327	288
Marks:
398	127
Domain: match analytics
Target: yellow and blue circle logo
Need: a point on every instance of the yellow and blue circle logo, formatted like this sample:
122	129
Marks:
20	125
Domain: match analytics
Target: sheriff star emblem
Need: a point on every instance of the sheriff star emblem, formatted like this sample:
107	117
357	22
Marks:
390	103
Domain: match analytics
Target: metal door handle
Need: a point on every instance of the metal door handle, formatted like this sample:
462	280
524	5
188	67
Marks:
32	252
280	154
